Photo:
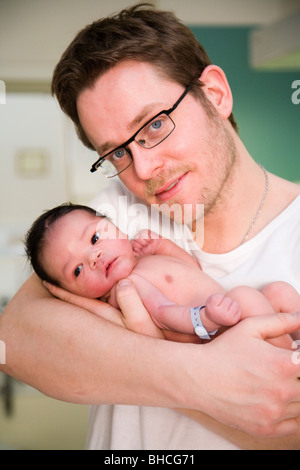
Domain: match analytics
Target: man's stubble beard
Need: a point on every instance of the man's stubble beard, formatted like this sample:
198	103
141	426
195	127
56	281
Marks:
219	167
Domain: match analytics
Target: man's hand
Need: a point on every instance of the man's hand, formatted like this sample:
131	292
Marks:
102	309
239	378
255	386
132	315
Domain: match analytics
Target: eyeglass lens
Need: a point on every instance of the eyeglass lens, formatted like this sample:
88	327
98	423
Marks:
152	134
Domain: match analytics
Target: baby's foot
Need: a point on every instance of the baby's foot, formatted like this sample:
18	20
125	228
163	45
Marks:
220	311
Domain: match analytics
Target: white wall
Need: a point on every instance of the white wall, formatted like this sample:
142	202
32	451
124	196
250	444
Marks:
31	124
34	33
28	123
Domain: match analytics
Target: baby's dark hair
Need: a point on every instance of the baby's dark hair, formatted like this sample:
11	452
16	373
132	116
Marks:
37	235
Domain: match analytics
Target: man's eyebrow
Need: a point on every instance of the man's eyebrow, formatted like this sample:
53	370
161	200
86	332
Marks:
103	149
147	111
133	126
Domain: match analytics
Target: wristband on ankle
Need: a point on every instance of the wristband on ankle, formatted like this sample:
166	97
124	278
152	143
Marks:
200	330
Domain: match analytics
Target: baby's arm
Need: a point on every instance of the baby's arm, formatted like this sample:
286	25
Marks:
150	243
165	314
218	311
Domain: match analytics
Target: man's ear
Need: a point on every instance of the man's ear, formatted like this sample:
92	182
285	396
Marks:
217	89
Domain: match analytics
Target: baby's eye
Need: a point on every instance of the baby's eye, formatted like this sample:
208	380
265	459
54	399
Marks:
95	238
78	270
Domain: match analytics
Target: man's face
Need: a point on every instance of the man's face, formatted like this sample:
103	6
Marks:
191	166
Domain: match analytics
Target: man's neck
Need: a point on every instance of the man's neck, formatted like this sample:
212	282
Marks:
227	222
226	225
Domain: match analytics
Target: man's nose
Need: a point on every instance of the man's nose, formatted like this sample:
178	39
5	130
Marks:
148	163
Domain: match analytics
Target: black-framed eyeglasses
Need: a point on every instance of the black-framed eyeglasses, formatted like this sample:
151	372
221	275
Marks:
151	134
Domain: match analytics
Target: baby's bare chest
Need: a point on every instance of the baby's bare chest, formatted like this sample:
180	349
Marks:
176	279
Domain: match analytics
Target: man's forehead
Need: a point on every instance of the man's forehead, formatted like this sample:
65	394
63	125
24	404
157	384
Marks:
142	117
121	101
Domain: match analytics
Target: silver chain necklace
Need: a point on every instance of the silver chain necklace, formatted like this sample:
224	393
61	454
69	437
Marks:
259	207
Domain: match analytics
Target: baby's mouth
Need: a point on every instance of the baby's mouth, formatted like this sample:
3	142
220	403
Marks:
109	267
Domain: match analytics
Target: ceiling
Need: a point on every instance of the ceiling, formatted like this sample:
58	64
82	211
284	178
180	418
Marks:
34	33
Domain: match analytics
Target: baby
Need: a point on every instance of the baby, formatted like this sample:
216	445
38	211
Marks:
72	247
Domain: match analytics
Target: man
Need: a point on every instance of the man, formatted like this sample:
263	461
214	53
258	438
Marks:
142	92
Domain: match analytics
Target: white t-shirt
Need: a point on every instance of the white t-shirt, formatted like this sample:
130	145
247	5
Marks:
274	254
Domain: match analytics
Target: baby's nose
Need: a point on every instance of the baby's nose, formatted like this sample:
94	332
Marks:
93	258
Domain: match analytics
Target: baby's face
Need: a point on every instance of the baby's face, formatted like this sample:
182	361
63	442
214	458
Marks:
87	254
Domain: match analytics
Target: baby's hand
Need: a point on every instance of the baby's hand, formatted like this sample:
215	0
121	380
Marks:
145	243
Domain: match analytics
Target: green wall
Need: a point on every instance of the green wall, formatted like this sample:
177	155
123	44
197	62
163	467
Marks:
269	123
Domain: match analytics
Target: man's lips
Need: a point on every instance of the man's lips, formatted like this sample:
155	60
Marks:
170	188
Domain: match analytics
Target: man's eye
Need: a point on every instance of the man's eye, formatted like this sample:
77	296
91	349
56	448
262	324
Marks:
118	154
78	270
155	125
95	238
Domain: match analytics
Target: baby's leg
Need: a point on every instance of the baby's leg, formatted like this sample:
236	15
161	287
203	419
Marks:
220	310
255	303
283	298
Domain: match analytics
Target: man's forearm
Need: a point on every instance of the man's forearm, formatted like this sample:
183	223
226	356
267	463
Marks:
243	440
72	355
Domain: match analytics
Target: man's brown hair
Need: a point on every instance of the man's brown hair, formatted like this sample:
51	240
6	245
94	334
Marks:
139	33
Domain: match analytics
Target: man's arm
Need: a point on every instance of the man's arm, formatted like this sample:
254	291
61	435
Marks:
75	356
243	440
69	353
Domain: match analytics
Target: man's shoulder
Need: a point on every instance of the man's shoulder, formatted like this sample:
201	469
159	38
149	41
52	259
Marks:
286	191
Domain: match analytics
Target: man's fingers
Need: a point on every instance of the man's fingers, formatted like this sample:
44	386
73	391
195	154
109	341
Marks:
136	317
67	296
272	326
129	301
286	427
95	306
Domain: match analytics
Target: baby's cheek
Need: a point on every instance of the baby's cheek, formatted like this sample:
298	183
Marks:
93	288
